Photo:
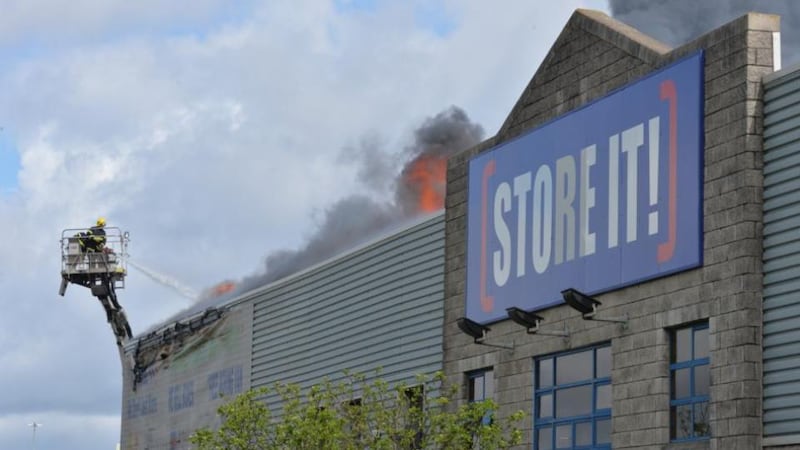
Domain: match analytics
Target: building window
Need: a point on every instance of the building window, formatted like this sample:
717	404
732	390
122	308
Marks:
481	385
572	400
690	380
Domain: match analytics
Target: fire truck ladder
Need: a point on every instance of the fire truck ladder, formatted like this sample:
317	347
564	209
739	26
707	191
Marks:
103	272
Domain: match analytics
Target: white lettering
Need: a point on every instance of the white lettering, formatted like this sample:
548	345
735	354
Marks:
563	200
653	133
613	191
522	185
502	257
586	239
632	139
542	218
565	214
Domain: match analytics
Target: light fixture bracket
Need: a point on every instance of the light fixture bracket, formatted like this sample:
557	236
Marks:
478	333
614	319
587	306
537	330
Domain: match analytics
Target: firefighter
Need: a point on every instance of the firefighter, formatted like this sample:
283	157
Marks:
94	240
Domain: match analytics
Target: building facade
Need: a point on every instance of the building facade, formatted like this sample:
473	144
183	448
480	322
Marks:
634	173
376	307
660	183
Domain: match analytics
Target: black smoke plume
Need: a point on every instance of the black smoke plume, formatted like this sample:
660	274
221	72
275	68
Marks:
359	218
676	22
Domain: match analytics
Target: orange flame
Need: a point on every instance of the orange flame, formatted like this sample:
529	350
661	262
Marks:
428	175
223	288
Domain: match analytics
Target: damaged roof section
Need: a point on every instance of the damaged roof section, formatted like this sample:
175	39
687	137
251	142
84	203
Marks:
158	350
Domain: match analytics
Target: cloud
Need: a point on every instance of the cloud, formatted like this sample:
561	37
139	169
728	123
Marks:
51	23
215	137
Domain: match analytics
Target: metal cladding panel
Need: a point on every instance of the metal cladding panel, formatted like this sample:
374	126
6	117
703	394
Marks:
380	307
782	255
185	382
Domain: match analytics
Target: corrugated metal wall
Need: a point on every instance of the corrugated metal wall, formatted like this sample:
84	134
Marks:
380	306
782	256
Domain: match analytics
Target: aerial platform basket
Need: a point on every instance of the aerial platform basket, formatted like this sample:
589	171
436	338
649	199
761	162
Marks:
104	267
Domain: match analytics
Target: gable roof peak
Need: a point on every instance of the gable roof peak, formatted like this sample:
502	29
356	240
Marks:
610	29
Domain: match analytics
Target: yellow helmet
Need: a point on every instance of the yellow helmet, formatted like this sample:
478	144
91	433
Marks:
101	222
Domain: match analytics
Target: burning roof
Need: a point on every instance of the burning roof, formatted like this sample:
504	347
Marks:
418	190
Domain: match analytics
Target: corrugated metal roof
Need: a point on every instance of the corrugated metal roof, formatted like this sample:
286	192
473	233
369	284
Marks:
223	302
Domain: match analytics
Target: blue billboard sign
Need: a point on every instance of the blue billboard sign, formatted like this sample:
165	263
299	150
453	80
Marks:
603	197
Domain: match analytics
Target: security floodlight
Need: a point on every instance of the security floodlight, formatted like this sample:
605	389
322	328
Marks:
531	322
473	329
524	318
579	301
587	306
478	332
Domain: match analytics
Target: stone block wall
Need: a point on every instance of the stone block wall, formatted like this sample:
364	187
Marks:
593	56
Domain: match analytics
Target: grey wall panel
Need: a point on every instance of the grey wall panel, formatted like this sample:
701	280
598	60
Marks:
378	307
189	379
782	255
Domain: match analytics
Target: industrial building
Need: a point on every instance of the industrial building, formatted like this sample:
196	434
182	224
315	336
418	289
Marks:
378	306
630	236
621	261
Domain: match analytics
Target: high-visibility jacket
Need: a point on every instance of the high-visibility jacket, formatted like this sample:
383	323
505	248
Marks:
93	240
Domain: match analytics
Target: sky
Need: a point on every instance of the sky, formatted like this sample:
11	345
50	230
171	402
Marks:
216	133
219	134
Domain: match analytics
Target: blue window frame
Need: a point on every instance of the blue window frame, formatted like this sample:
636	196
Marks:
572	400
690	383
481	385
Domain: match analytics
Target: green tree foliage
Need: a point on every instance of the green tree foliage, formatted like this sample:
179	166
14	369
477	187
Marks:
358	414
